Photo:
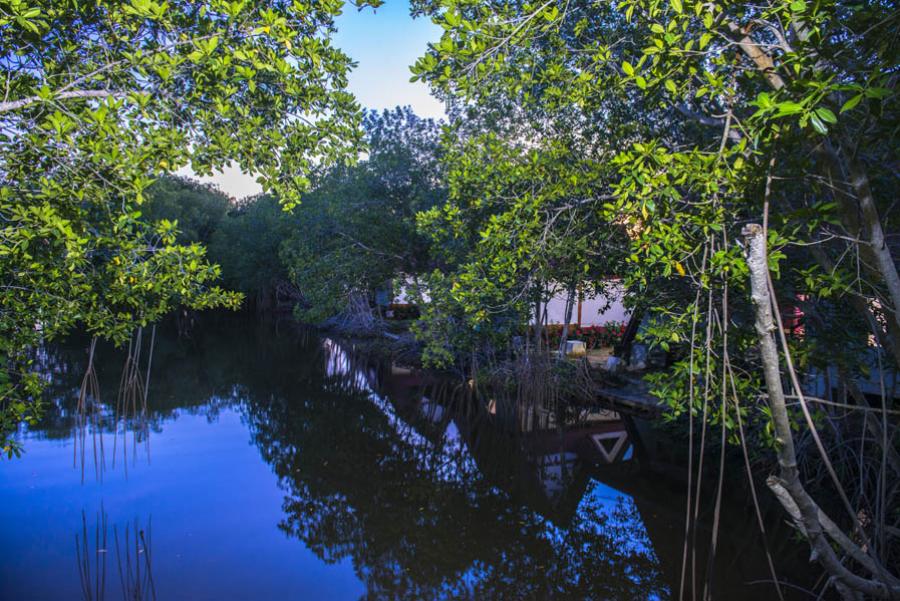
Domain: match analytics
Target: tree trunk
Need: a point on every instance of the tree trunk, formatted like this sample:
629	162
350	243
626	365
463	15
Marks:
358	316
859	216
859	213
538	320
570	304
623	349
787	487
874	235
888	337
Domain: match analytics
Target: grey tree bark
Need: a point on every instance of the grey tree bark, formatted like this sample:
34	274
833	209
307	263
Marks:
570	304
820	530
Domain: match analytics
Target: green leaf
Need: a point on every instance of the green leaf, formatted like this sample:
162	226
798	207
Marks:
817	124
764	101
850	104
878	93
788	108
627	68
826	115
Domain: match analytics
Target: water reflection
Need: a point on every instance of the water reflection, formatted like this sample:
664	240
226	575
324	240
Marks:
133	558
84	416
431	501
427	491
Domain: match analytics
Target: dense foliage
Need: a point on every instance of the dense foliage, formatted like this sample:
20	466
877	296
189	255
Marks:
356	232
516	229
587	140
246	246
196	209
353	234
716	122
100	98
783	113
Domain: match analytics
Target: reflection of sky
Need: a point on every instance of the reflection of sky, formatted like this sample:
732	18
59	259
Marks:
214	503
603	510
450	459
216	506
616	505
622	520
554	469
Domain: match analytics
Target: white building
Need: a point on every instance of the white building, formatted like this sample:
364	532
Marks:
590	310
596	310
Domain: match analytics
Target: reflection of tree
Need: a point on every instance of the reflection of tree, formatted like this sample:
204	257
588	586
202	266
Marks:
418	517
199	376
133	549
362	486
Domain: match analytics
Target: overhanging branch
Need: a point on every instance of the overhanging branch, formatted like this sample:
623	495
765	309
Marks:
13	105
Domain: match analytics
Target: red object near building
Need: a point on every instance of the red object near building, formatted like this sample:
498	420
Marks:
792	316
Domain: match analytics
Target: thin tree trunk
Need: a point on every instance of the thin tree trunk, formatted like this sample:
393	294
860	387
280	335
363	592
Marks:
860	216
538	319
570	304
859	213
634	323
787	487
871	222
888	337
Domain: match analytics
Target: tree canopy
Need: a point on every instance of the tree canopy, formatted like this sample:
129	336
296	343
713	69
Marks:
782	113
356	231
196	209
99	99
721	157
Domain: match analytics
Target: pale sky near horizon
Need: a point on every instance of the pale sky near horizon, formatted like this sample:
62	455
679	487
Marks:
383	43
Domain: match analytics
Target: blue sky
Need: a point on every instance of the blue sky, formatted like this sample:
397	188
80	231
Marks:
384	43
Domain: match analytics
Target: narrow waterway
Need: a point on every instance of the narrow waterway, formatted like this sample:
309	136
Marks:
273	463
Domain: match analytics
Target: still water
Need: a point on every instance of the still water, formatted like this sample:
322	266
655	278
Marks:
273	463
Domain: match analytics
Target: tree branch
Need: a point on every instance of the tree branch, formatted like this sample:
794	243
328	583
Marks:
702	119
13	105
788	488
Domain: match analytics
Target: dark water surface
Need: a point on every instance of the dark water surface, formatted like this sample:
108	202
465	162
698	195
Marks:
276	464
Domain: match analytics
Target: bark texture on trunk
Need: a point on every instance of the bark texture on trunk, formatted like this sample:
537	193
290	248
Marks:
570	305
787	487
538	324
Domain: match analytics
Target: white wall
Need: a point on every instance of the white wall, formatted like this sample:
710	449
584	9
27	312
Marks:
594	310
